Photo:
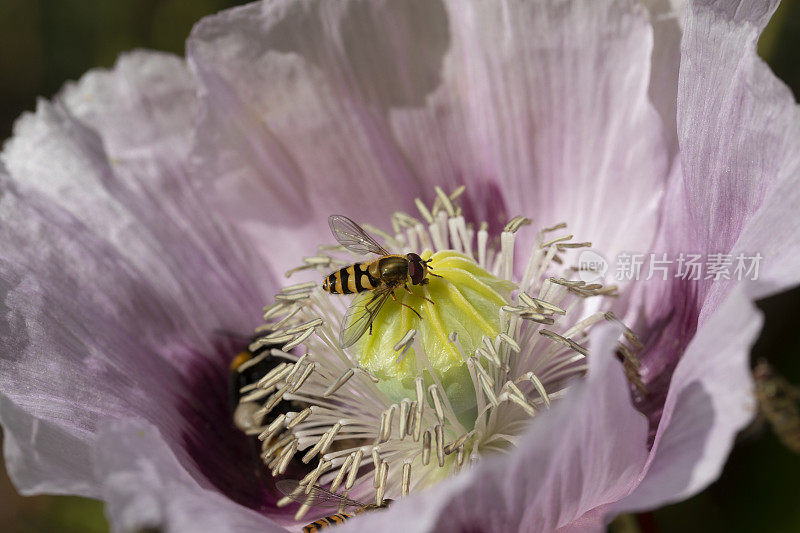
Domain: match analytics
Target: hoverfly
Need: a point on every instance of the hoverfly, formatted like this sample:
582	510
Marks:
319	497
777	399
381	276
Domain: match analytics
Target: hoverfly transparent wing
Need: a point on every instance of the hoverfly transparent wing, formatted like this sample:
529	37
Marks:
361	314
316	497
351	236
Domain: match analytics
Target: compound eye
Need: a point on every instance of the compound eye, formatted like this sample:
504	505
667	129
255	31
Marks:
415	269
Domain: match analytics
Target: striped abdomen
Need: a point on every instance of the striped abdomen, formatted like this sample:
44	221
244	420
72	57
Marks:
337	518
351	279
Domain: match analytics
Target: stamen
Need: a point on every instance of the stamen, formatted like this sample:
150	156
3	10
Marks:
516	223
312	452
302	415
273	428
516	396
537	384
382	429
437	403
275	398
415	425
569	343
368	374
483	238
566	246
311	479
255	396
290	297
406	478
460	457
554	241
515	364
303	377
487	389
426	447
336	385
280	354
299	287
288	453
419	385
301	512
445	200
404	344
342	471
329	439
423	210
439	430
252	362
298	340
405	409
384	474
507	254
475	363
356	464
283	502
557	227
376	463
279	444
387	432
275	375
457	444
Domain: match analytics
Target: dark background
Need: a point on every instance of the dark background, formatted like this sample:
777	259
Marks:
44	43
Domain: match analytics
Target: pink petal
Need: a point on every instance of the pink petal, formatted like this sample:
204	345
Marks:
709	401
739	131
666	17
291	130
114	279
145	485
585	453
317	107
731	192
545	104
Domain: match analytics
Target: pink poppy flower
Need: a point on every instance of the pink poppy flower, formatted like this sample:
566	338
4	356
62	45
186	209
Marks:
148	208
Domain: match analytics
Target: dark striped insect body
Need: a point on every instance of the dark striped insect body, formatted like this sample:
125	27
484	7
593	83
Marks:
245	370
778	401
316	496
380	276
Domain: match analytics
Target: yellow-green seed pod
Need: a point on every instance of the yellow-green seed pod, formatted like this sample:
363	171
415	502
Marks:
467	300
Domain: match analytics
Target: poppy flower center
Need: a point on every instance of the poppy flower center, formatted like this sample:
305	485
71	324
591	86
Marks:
447	370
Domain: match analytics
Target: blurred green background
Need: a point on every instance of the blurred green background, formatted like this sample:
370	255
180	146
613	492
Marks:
44	43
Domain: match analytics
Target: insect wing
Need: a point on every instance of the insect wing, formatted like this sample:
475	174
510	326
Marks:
361	314
351	236
316	497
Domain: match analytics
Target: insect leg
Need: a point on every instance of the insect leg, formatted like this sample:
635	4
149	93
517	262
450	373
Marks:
409	291
367	307
427	263
406	305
